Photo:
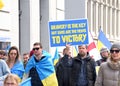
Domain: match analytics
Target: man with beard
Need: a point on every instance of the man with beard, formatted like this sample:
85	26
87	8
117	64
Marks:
83	71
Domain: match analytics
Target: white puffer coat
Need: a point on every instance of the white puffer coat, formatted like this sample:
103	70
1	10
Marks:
109	74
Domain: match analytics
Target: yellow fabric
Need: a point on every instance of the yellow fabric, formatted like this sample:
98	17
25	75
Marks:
74	51
50	80
1	4
100	45
97	69
56	61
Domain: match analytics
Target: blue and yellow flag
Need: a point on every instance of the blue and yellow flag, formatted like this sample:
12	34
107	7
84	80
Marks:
1	4
103	41
18	69
74	51
45	69
56	56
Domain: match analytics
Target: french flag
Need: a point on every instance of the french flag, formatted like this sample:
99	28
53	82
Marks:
92	49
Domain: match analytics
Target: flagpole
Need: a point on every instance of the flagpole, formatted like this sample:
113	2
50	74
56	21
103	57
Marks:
99	28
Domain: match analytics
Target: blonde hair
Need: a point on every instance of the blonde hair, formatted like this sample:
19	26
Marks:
12	77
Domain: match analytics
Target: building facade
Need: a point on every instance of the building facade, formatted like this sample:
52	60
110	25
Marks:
23	22
9	24
104	14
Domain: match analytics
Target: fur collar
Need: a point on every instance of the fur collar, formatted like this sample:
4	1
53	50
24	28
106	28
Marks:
114	65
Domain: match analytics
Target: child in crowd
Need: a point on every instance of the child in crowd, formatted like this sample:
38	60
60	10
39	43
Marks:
12	80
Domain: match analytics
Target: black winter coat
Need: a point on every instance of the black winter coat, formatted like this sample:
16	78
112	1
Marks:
63	71
90	71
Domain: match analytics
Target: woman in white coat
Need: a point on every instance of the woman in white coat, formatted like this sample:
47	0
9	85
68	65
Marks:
109	72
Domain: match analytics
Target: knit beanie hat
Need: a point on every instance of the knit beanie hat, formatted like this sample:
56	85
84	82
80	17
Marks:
115	45
103	50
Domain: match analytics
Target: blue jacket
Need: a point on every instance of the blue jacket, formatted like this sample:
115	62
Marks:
4	69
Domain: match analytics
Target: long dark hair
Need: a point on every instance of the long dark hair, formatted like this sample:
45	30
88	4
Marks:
17	56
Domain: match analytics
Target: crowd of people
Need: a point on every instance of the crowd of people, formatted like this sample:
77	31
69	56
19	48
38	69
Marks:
69	71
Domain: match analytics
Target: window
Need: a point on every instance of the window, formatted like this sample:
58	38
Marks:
4	45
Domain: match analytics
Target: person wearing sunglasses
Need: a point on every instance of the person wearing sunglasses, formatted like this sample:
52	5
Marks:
109	72
40	66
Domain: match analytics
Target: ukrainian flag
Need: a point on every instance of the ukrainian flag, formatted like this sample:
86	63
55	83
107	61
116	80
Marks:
56	56
18	69
74	51
1	4
103	41
45	69
26	82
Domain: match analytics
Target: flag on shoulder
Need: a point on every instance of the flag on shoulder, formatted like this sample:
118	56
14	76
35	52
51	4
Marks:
45	69
26	82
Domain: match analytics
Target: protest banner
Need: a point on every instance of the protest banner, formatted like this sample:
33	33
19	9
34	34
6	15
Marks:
73	32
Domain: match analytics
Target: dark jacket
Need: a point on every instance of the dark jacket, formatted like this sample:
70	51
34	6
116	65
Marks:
35	80
98	62
63	71
89	70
